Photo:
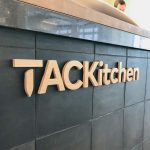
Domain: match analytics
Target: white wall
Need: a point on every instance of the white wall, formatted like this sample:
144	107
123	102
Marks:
139	10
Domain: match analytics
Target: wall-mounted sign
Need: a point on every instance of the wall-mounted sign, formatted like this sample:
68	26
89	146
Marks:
104	75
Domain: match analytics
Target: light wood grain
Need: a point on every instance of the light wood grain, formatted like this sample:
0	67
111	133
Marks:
88	73
65	74
112	74
130	74
106	72
51	68
29	82
27	63
136	74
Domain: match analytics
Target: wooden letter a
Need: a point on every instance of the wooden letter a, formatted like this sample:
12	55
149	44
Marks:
51	67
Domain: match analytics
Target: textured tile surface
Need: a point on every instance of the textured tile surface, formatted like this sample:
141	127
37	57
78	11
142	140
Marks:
106	49
132	97
107	132
147	120
137	53
146	144
133	125
16	38
138	147
148	81
26	146
17	111
76	138
50	42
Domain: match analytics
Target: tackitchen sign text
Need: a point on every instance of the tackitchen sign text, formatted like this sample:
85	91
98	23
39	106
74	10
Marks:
103	76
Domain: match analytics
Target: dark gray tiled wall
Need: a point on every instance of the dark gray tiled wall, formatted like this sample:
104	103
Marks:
132	97
26	146
138	53
76	138
147	120
107	132
17	112
148	81
148	54
97	118
133	125
138	147
146	144
50	42
16	38
104	49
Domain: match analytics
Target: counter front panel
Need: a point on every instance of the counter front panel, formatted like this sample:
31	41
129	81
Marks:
108	117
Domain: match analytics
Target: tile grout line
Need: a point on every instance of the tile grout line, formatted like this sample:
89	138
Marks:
35	101
144	104
92	106
123	144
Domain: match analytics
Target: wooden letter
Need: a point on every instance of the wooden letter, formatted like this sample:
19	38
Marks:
88	74
65	75
27	63
51	67
129	74
121	73
136	74
112	79
29	82
100	74
106	72
29	74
